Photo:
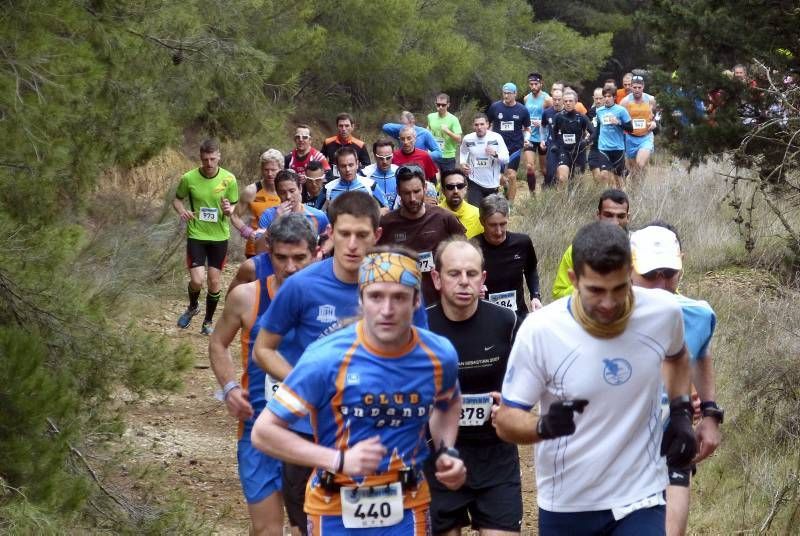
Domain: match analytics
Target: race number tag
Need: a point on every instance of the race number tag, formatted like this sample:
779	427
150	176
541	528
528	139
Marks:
639	124
208	214
425	262
569	139
507	126
481	162
607	119
507	299
440	141
376	506
270	387
475	409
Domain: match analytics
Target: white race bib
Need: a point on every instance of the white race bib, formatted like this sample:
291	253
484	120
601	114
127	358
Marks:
507	299
440	141
656	499
607	119
376	506
568	138
481	162
208	214
507	126
425	262
639	123
475	409
270	387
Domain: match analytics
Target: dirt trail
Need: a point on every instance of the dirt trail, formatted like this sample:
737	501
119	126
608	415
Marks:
191	439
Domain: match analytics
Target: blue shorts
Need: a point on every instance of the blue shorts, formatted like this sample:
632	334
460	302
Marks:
644	522
633	144
259	474
415	522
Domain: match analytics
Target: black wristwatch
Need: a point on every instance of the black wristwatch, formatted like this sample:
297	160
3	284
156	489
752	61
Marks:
450	451
711	409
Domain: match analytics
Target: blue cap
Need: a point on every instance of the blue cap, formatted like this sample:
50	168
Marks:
509	86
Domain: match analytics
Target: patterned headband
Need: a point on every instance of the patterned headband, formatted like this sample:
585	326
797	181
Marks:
388	267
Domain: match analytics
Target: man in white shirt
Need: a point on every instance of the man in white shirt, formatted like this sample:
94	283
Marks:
482	155
600	353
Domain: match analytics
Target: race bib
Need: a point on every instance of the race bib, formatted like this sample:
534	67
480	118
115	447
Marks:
475	409
507	126
620	512
425	262
440	141
507	299
270	387
372	506
607	119
568	138
639	124
481	162
208	214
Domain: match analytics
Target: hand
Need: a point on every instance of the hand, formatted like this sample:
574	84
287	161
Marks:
559	420
536	304
708	438
238	404
447	131
697	412
284	208
227	208
450	471
490	151
543	145
364	457
465	169
186	215
679	444
495	405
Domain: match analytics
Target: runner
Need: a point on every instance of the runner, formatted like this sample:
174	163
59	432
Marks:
491	499
613	207
594	153
625	90
446	130
408	154
344	138
371	412
571	133
256	198
614	120
511	120
346	161
424	139
639	143
303	153
207	229
315	303
482	155
313	193
546	136
287	184
601	353
534	155
292	246
455	188
657	263
509	258
418	226
383	171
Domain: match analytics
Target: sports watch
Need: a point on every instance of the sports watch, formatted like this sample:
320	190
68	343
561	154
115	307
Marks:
711	409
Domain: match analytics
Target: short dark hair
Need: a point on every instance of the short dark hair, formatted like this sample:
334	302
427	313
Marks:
344	151
617	196
292	228
356	204
285	175
609	91
314	165
437	256
382	142
480	115
668	227
601	245
444	96
407	173
211	145
344	115
453	171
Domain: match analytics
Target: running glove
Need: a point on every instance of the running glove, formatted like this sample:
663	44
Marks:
678	443
559	420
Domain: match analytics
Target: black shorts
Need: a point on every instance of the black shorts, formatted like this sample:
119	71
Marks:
682	477
295	478
595	159
534	146
513	162
200	251
614	160
572	158
491	498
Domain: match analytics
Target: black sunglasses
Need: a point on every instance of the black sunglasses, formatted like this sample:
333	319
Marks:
456	186
441	104
662	273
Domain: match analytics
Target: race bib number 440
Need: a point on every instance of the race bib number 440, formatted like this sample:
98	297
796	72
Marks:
376	506
475	409
208	214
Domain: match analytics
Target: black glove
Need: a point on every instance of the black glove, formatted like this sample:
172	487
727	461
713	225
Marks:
559	420
679	444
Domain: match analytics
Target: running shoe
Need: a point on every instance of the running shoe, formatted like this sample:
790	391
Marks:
186	317
207	328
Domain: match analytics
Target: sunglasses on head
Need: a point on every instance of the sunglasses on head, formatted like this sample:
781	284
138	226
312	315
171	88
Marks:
661	273
637	79
456	186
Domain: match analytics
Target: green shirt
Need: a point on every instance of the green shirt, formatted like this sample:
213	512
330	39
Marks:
562	285
205	201
468	215
447	144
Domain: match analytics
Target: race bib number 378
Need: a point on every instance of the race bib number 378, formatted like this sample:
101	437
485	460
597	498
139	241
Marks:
376	506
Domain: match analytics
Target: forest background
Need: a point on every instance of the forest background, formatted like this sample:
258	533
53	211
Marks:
92	89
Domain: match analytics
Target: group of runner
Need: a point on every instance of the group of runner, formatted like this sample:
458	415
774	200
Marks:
390	363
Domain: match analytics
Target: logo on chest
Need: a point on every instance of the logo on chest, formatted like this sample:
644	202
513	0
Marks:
616	371
385	409
326	313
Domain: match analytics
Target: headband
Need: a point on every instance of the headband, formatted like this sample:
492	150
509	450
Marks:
387	267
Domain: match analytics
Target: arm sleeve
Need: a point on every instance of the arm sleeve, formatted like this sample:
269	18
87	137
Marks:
562	285
531	273
363	156
430	144
525	377
379	196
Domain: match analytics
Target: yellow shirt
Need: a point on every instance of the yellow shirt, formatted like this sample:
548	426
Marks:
562	285
469	217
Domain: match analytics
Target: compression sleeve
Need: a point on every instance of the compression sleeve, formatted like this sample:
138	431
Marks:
531	273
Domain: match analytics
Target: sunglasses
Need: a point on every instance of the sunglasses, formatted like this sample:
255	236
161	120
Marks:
663	273
302	137
637	79
384	158
456	186
441	104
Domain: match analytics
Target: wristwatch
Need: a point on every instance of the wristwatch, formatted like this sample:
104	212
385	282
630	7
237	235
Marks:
711	409
450	451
